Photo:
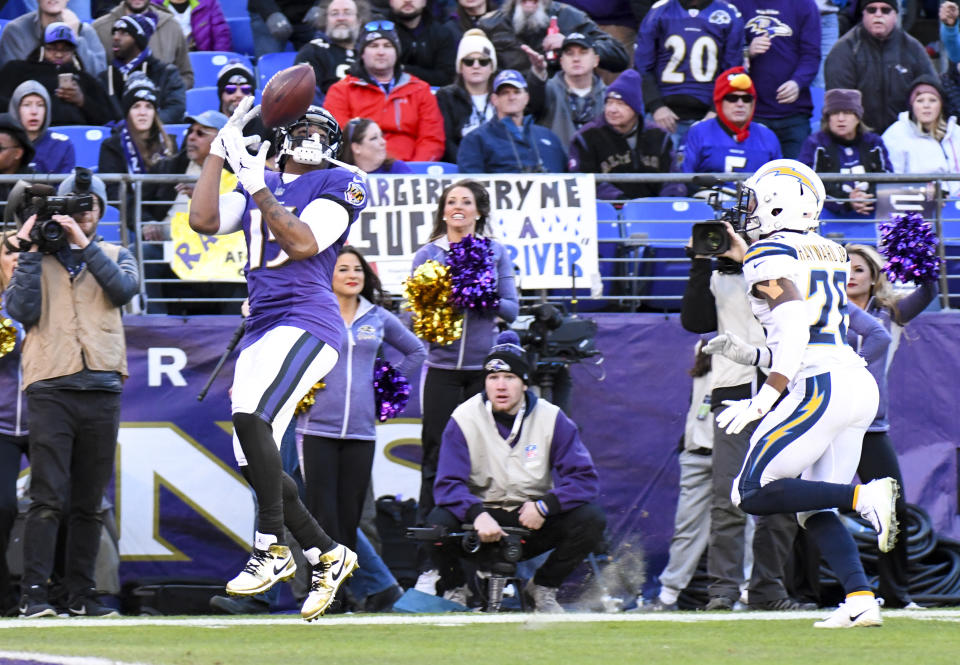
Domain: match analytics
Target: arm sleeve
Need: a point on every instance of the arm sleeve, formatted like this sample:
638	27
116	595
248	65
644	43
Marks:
450	489
23	295
120	280
396	335
232	206
327	220
507	288
431	139
574	475
911	305
698	310
950	38
874	338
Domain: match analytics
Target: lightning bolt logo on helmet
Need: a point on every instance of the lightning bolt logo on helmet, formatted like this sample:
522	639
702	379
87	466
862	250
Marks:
783	195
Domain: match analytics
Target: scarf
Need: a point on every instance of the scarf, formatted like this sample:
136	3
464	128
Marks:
126	69
135	163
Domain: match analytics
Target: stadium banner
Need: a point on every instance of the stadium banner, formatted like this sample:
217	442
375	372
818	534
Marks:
548	224
184	511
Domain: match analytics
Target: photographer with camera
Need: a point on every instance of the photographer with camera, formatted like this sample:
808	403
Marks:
67	291
509	459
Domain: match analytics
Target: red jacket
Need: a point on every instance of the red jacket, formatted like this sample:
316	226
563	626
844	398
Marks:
409	115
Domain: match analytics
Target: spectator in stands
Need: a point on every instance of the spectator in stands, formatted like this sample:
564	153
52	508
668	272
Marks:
366	148
16	153
465	103
53	152
679	53
131	53
949	32
730	142
783	38
466	14
202	22
620	142
428	47
845	145
275	22
138	142
234	82
924	139
76	97
166	42
331	53
511	143
618	18
829	33
521	23
400	103
21	36
574	95
879	59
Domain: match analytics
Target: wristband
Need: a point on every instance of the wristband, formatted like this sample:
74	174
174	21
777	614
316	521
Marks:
541	507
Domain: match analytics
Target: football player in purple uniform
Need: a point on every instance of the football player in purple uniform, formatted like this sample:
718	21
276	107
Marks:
295	222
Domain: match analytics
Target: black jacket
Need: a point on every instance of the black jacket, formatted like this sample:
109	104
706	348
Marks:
96	109
455	107
171	92
330	63
430	51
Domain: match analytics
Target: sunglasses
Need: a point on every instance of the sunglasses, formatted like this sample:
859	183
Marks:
245	89
379	26
733	99
873	9
473	62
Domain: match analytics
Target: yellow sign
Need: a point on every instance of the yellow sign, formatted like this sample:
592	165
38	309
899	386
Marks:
203	258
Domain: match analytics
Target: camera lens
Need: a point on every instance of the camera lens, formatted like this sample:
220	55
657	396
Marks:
51	231
713	240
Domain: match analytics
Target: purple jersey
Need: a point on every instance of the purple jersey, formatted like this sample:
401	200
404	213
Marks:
686	49
284	292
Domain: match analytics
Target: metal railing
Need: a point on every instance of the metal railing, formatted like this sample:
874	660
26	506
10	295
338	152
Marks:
629	261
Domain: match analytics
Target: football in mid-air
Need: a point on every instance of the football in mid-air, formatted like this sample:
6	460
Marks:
287	95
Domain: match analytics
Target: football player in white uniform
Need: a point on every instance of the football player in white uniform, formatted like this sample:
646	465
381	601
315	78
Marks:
819	397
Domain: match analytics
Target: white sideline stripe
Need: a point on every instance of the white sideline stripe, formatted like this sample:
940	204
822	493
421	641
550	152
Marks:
456	619
61	660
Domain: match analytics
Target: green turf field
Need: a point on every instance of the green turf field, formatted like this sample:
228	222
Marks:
925	638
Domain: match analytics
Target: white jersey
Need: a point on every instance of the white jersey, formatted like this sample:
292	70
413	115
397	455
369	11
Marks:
820	269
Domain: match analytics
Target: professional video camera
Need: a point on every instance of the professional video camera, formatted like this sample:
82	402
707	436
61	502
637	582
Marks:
710	238
48	235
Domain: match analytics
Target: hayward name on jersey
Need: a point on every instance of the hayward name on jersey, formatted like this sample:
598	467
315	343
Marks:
297	293
820	269
686	49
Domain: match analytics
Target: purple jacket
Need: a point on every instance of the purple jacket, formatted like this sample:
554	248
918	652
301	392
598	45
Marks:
13	401
209	29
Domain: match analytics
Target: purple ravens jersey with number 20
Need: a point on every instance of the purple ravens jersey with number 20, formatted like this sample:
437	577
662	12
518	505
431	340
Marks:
284	292
687	49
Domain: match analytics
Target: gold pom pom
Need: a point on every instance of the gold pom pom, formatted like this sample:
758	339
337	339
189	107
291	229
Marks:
309	399
8	337
427	293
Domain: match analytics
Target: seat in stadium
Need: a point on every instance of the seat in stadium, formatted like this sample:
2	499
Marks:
86	141
206	64
433	168
609	239
848	228
271	63
178	132
235	9
202	99
241	34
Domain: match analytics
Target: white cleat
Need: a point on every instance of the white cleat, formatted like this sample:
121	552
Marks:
856	612
333	570
877	503
264	569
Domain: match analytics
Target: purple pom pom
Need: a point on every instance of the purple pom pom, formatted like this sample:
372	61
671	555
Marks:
508	337
391	390
473	275
910	246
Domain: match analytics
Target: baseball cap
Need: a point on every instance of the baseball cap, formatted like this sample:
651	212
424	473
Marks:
509	77
578	39
213	119
59	32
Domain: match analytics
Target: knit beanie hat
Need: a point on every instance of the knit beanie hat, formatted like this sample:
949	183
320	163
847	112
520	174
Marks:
378	30
507	356
923	84
734	79
843	99
138	89
627	88
140	26
235	73
891	3
475	40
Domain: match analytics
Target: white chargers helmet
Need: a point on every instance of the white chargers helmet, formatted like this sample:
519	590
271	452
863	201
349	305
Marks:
782	194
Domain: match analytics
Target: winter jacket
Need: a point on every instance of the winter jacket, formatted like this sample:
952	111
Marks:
479	328
112	160
558	115
167	43
330	63
456	107
53	152
914	152
13	401
171	90
409	115
494	148
208	26
22	35
825	153
430	51
346	409
599	148
882	71
96	109
499	28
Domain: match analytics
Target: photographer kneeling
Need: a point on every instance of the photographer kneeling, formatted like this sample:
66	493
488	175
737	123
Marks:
67	291
508	458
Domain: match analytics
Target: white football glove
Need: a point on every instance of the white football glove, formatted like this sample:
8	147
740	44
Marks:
739	413
241	116
248	168
730	346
